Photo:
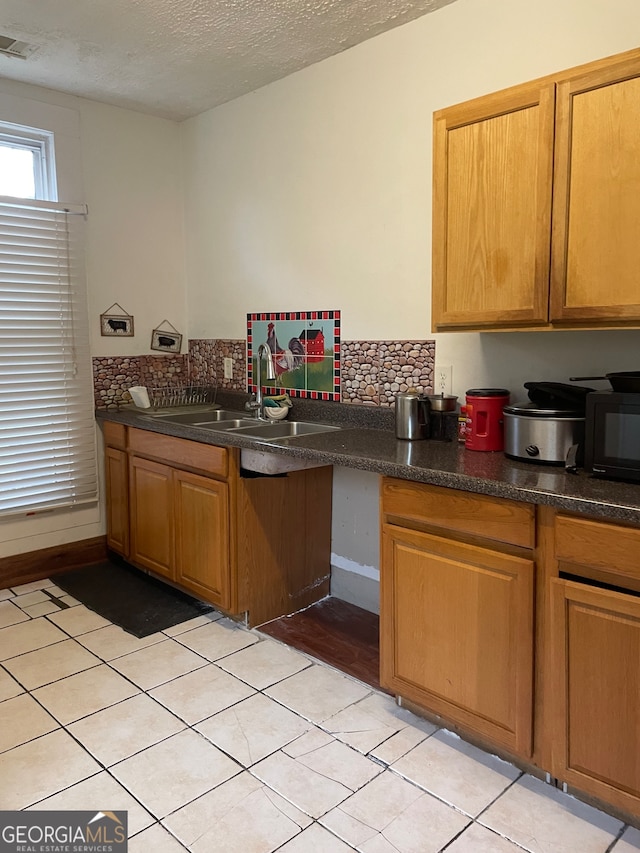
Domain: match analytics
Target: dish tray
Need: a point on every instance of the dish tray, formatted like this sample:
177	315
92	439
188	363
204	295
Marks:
181	395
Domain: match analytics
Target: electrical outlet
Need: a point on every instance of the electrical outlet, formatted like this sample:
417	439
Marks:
442	379
228	368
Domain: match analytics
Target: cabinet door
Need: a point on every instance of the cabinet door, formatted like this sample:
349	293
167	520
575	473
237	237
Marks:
117	482
595	636
596	202
493	163
152	522
202	537
457	633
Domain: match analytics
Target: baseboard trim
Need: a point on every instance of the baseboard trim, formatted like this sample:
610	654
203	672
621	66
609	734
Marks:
355	589
36	565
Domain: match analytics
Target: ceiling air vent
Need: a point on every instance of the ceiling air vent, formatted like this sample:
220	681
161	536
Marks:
12	47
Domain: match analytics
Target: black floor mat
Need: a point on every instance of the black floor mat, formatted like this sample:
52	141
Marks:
131	599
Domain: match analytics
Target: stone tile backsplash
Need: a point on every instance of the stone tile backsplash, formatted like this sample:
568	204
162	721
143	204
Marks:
113	375
373	372
206	363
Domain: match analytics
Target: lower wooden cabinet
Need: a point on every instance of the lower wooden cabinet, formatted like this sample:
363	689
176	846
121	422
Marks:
151	515
457	633
116	466
179	524
595	636
184	511
521	627
202	536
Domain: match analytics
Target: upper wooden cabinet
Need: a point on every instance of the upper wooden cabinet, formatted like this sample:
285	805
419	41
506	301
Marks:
535	203
596	197
493	166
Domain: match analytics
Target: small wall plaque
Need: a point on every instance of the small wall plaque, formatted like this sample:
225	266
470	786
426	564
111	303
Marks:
119	325
166	340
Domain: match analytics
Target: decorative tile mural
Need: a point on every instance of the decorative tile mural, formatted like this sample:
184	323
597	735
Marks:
306	352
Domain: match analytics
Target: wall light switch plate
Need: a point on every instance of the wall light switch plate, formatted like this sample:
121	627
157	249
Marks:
442	379
228	368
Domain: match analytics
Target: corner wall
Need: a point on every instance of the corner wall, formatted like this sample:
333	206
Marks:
129	164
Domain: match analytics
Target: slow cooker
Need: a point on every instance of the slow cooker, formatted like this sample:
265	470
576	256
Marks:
538	434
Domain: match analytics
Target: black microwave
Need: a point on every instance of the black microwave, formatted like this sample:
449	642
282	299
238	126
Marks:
612	435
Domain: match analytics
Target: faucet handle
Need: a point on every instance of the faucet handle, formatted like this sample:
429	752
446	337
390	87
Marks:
252	404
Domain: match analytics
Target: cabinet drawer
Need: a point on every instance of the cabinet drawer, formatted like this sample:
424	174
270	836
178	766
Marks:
115	435
611	547
477	515
180	452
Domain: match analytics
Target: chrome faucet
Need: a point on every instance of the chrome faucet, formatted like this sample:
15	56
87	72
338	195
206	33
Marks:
257	404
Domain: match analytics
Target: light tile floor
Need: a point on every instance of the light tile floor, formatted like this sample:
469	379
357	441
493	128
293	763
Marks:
216	738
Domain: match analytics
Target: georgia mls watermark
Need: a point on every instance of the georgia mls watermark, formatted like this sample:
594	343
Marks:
63	832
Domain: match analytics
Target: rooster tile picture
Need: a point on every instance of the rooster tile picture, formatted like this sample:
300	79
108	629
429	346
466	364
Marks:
305	347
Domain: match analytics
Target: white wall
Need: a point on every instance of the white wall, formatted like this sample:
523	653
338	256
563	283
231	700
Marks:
129	164
315	192
133	181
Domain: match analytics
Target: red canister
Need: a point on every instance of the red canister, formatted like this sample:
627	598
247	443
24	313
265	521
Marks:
485	421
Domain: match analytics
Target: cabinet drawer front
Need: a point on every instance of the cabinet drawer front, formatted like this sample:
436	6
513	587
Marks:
115	435
582	541
477	515
179	451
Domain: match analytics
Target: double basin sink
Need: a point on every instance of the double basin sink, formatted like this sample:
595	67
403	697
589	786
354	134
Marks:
237	423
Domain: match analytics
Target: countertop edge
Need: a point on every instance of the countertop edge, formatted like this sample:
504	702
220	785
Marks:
445	464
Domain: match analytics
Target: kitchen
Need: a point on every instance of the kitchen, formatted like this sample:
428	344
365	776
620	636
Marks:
265	244
317	189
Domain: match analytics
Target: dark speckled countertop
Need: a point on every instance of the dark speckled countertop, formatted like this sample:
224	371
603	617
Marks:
367	442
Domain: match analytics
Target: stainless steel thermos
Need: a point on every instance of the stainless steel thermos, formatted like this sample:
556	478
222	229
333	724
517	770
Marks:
412	415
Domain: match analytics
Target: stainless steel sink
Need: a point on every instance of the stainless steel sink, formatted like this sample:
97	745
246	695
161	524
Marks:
225	426
282	429
227	420
204	418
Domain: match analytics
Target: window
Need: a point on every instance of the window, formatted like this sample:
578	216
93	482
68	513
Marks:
26	162
47	432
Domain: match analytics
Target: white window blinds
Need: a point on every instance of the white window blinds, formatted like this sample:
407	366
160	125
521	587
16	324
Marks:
47	432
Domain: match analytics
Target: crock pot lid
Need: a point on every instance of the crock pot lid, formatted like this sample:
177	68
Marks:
488	392
531	410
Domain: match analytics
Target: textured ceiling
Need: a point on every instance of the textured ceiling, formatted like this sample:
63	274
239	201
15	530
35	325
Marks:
177	58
